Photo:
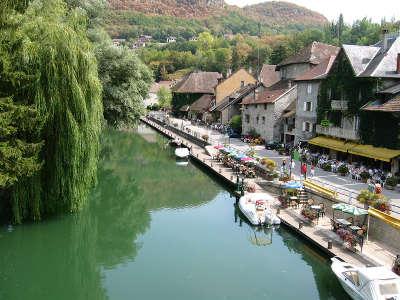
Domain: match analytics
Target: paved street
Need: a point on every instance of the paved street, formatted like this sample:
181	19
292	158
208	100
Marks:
346	187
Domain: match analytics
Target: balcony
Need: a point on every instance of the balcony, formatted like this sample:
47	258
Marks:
348	134
339	105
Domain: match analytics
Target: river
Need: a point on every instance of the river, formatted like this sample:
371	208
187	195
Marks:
157	230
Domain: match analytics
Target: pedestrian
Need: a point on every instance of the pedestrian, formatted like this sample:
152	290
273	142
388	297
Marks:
312	171
304	170
284	164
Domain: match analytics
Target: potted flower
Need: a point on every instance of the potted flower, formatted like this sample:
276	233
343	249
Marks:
327	167
382	204
366	197
343	170
365	176
391	183
205	137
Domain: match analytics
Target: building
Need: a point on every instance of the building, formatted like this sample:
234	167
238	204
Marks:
171	39
357	115
308	87
228	92
270	111
192	87
118	42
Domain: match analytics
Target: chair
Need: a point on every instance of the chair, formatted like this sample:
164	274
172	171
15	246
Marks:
334	224
350	219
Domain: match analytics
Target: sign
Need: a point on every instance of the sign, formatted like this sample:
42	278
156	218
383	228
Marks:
325	123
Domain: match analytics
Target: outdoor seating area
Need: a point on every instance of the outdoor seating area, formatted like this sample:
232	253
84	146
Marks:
350	227
238	162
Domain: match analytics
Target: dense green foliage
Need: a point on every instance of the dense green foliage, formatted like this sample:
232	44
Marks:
247	50
125	79
236	123
164	96
48	63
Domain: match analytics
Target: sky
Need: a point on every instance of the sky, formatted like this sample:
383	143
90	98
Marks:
352	9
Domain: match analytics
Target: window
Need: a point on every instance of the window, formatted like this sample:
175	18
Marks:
307	127
247	118
257	119
329	94
256	106
283	73
242	84
263	120
265	106
308	106
352	276
246	106
309	88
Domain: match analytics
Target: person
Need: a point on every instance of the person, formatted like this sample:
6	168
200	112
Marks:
284	164
304	170
312	171
371	186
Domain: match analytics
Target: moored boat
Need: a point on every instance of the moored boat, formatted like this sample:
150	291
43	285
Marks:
175	142
257	208
366	283
182	152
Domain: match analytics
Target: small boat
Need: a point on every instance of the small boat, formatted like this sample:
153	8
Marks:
182	152
257	209
366	283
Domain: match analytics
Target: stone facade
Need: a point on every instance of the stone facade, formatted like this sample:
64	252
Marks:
294	70
306	110
266	119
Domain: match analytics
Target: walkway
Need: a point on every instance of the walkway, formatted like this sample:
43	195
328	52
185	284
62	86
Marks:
347	188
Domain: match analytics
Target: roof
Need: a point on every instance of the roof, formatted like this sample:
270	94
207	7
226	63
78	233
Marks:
377	273
198	83
375	60
393	105
201	104
394	89
318	72
268	75
267	96
235	97
314	54
155	87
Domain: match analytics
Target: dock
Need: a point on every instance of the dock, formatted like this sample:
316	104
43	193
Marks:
317	234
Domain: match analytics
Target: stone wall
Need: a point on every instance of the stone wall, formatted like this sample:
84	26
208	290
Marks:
294	70
302	116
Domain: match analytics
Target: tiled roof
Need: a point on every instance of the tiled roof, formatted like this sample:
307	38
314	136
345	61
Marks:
234	98
395	89
318	72
198	83
392	105
375	60
268	75
201	104
314	54
264	97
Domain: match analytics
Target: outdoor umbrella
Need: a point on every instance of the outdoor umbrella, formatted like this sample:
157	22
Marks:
245	159
218	147
355	211
292	185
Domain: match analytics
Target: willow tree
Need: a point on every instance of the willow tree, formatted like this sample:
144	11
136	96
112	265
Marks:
53	68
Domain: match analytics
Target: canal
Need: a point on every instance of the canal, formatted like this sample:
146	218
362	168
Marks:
156	230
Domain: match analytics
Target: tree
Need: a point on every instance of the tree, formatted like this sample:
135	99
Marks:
236	123
126	81
54	71
164	96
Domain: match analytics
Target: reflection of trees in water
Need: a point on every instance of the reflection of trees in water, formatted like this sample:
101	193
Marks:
64	256
328	287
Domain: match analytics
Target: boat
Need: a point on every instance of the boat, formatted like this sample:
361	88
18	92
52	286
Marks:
182	152
366	283
257	208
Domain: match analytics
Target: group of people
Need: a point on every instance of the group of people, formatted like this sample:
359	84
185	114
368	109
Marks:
303	168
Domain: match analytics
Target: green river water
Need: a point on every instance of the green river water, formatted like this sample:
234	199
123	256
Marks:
157	230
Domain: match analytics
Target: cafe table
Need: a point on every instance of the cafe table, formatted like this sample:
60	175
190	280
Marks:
343	222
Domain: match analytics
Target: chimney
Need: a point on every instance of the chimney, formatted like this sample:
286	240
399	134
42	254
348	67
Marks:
398	64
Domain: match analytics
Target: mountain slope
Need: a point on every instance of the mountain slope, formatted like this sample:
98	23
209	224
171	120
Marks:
185	18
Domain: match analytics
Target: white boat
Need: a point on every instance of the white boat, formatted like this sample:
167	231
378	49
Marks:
366	283
257	208
182	152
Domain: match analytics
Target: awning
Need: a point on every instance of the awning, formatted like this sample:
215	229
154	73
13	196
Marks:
330	143
378	153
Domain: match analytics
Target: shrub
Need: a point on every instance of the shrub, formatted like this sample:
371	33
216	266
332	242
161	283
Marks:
327	167
391	181
236	123
365	175
205	137
343	169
